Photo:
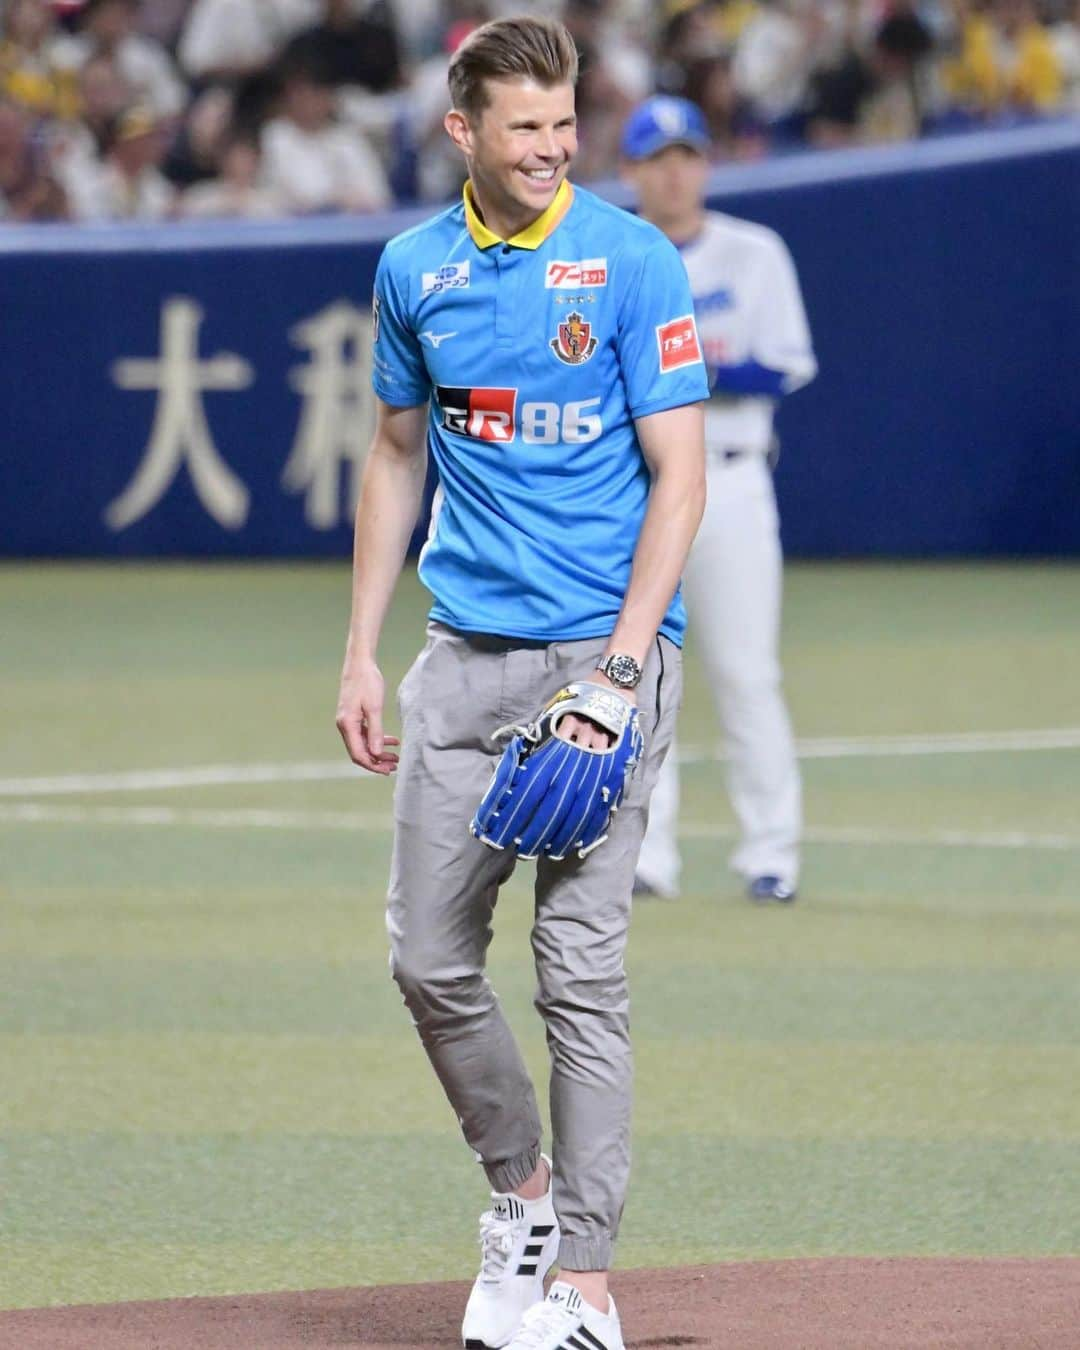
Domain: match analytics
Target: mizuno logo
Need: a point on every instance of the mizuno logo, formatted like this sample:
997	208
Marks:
436	339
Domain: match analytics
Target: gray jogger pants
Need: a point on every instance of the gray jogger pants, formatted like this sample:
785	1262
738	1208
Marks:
443	888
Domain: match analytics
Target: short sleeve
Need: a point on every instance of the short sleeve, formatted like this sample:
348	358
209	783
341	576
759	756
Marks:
399	375
659	350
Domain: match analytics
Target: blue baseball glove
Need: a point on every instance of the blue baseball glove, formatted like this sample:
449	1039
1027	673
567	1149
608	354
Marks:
553	796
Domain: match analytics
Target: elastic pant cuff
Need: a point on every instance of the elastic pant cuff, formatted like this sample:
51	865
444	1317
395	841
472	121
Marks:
591	1253
511	1173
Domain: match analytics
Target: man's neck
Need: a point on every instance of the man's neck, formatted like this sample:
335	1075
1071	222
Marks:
505	226
682	230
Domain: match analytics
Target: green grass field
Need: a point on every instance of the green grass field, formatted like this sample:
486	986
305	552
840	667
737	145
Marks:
209	1084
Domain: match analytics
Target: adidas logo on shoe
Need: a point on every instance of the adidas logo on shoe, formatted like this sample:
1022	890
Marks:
510	1209
567	1295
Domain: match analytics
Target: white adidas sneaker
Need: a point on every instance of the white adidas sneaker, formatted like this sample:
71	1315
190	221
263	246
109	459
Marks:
519	1240
564	1321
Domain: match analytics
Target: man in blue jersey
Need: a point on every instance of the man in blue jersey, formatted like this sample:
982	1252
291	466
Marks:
541	346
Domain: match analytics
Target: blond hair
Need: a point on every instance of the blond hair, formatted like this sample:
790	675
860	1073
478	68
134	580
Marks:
522	48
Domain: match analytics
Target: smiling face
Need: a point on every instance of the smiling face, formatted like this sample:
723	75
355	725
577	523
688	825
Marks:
518	148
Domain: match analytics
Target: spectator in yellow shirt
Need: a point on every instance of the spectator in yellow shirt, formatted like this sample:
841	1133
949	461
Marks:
1006	59
29	71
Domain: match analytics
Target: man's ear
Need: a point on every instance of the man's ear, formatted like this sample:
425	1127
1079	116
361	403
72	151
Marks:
458	129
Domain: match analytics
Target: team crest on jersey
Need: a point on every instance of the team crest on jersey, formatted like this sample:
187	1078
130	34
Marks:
573	342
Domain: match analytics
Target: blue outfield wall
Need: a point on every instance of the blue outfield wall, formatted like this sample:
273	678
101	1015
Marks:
202	390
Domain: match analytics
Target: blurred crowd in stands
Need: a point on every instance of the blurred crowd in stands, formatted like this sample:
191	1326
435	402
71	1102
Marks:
153	109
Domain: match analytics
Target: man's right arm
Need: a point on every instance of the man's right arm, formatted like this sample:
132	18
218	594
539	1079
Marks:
390	498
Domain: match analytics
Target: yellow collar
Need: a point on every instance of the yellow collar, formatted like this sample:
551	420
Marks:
533	235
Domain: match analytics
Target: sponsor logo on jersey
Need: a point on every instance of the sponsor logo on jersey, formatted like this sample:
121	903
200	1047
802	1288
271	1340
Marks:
678	343
497	415
483	414
451	277
573	342
569	276
437	339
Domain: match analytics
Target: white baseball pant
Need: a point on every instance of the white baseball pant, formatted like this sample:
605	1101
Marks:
732	588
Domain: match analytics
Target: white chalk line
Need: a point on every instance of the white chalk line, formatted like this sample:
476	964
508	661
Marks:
208	775
828	747
38	813
860	835
254	818
949	743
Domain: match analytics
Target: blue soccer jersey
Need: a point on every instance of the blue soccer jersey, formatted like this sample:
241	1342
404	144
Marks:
536	354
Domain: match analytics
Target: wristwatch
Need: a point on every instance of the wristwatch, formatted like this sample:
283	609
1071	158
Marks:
622	670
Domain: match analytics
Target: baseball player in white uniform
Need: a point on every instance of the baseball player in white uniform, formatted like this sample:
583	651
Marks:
757	349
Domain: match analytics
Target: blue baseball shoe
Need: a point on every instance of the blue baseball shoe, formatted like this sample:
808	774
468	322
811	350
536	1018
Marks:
763	889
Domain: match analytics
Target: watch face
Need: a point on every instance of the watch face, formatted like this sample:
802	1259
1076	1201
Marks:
623	671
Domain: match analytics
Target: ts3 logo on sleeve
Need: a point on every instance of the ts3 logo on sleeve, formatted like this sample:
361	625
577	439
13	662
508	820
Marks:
495	415
678	343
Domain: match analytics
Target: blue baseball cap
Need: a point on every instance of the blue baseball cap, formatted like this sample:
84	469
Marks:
662	121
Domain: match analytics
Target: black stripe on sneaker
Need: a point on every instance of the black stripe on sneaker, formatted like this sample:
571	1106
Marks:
572	1341
527	1269
593	1341
533	1249
541	1230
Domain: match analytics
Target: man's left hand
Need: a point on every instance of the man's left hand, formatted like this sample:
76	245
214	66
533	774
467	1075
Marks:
588	734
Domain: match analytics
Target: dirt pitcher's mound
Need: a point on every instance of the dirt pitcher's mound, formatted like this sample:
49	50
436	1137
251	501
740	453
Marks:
767	1305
